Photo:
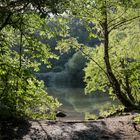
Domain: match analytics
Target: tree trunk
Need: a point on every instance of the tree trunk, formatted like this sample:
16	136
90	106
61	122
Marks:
111	77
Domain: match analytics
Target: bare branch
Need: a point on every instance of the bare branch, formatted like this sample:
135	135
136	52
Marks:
116	18
119	24
92	60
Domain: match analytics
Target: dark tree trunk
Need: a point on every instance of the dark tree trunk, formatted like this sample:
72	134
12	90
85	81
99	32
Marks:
111	77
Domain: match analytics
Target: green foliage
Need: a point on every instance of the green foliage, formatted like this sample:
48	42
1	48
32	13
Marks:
89	116
91	11
137	119
124	58
105	111
109	111
94	76
64	45
21	54
113	66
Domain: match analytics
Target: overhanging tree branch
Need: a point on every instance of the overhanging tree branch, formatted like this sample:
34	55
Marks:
92	60
116	18
119	24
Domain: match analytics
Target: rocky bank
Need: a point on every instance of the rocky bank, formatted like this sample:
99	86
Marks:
116	128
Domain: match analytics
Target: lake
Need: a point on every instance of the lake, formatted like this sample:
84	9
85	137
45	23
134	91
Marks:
76	105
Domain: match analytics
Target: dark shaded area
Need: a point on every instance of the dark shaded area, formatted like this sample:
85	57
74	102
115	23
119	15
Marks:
92	133
60	114
96	133
40	134
17	129
14	129
53	130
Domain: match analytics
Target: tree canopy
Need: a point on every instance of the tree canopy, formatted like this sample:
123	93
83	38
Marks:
21	54
113	64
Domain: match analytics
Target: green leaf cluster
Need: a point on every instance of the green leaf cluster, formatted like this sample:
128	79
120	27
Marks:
125	61
113	66
137	119
21	54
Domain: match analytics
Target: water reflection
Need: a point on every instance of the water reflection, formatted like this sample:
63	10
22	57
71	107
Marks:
76	103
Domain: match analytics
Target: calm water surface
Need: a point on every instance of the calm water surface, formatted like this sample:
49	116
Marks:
76	104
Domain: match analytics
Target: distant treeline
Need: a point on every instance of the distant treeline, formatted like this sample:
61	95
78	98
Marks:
68	69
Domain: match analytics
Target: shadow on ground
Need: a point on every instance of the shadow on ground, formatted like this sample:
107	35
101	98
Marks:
18	130
96	133
72	131
14	129
118	128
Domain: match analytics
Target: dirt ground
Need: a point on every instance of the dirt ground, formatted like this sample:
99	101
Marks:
116	128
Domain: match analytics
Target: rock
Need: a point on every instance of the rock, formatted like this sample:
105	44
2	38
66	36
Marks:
60	114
